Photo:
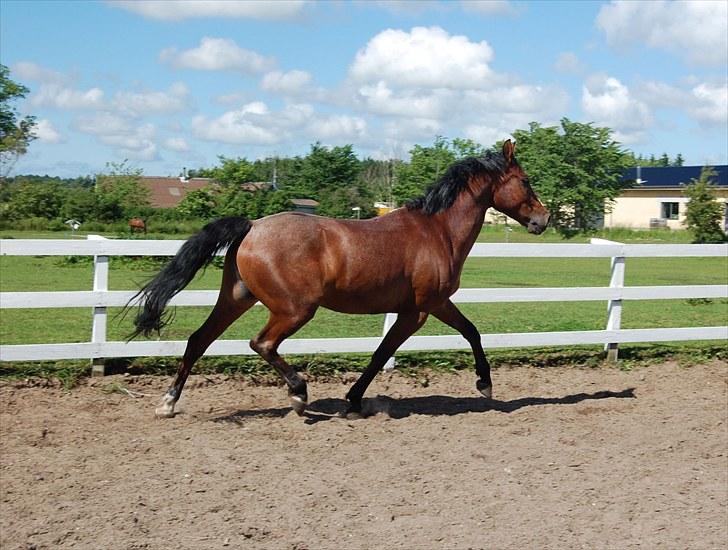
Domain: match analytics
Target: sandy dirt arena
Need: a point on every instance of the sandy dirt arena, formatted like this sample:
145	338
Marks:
565	458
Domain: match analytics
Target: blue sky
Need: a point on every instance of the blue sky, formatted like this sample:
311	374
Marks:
172	84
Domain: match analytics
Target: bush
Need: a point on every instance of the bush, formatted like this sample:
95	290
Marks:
56	225
704	212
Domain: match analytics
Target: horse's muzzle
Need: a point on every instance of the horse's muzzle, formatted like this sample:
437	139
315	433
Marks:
538	223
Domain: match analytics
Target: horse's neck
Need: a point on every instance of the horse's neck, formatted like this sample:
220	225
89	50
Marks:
463	221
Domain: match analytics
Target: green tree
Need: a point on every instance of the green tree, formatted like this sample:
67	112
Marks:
232	171
198	203
234	201
16	133
377	177
329	175
638	160
427	164
704	213
323	170
79	204
576	169
274	201
36	199
120	192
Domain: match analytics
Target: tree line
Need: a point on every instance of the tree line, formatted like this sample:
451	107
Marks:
576	169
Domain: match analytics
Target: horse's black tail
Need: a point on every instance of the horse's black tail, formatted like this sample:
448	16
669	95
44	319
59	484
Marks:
195	254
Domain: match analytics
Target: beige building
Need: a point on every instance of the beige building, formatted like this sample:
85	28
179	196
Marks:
657	198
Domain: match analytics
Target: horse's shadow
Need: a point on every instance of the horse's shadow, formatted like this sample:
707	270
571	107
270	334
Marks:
432	405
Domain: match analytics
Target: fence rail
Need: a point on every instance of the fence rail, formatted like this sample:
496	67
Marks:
100	298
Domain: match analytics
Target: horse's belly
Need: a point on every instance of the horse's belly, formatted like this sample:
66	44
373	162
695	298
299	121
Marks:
381	301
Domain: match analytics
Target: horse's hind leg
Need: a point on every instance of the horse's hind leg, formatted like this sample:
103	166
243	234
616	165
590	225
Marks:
279	327
451	316
225	312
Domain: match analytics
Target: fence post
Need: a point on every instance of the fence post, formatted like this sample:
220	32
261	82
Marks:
389	320
614	307
98	326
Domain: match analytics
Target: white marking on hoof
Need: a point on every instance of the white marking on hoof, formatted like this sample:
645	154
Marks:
166	409
298	404
487	392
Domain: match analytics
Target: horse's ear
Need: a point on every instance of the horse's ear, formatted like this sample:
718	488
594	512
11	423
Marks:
509	149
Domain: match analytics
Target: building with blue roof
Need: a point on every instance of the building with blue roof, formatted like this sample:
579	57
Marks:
656	198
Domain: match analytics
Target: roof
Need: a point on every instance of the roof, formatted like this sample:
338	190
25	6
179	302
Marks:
672	176
305	202
168	192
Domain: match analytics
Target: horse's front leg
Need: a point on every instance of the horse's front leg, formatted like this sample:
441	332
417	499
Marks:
452	316
405	325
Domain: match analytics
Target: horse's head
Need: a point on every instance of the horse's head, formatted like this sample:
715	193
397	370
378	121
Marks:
513	196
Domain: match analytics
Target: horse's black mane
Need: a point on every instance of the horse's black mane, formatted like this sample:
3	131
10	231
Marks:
442	194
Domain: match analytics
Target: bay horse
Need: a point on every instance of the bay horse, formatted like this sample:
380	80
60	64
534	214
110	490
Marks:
406	262
137	224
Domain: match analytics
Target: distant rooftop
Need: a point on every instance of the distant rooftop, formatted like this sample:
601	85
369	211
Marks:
168	192
673	176
305	202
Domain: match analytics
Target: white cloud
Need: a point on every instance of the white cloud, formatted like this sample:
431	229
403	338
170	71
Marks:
139	145
406	7
380	99
247	125
412	129
337	128
56	92
434	83
526	100
188	9
424	57
27	70
705	102
131	141
609	103
256	124
489	7
289	83
217	54
569	63
230	99
176	99
710	103
696	30
661	94
176	144
100	123
45	131
59	97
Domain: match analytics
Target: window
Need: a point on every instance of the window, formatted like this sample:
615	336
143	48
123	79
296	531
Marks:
670	210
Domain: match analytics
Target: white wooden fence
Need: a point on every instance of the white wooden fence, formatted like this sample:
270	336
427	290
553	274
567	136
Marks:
101	298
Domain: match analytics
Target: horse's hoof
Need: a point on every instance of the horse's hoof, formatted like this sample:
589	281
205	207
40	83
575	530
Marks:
298	404
164	412
166	409
485	390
